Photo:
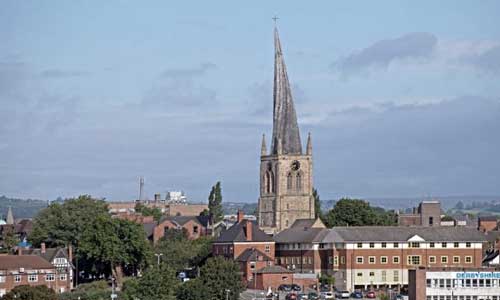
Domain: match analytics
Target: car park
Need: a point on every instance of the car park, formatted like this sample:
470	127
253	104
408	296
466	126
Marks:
295	287
357	295
285	288
301	296
327	295
370	295
291	296
312	296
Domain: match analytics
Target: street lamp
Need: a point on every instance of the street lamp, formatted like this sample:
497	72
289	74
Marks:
227	294
158	255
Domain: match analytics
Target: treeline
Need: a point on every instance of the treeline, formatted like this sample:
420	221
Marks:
357	212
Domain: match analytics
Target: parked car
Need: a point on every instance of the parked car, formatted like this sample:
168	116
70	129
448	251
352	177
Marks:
312	296
342	295
301	296
285	288
327	295
357	295
296	287
370	295
402	297
291	296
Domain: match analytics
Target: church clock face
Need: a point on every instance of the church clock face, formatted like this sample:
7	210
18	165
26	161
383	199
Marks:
295	165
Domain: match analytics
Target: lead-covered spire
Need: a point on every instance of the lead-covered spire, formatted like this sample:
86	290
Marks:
285	127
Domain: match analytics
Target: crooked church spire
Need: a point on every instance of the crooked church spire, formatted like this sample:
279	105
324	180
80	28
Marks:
285	127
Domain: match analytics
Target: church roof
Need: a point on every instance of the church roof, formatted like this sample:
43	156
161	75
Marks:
285	127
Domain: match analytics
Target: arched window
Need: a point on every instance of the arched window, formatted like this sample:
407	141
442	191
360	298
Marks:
289	181
271	182
298	182
267	186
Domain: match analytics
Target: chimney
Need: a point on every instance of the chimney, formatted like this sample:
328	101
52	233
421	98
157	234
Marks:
70	253
240	216
20	251
42	245
248	230
157	197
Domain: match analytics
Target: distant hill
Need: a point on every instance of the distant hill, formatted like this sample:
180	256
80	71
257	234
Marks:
21	208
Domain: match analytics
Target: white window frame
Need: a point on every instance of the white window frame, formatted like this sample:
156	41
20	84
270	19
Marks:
32	278
359	260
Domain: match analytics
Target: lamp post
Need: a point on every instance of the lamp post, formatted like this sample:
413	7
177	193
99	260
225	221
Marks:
227	294
158	255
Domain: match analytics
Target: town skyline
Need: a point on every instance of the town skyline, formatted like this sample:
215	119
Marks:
395	109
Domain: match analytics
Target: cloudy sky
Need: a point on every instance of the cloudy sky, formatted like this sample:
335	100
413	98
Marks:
402	97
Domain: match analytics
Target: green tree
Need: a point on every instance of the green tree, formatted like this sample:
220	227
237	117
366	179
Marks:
96	290
10	239
317	204
216	276
215	203
26	292
117	244
147	211
356	212
155	284
459	205
63	224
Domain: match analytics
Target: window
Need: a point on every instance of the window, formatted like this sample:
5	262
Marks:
371	259
468	245
359	259
432	259
304	260
383	259
444	245
383	245
49	277
289	181
384	276
2	278
342	259
396	275
360	245
468	259
431	245
195	229
414	245
286	223
310	260
396	245
17	278
456	245
335	260
395	259
252	265
359	274
372	274
456	259
330	260
413	260
268	249
444	259
32	278
298	182
431	221
372	245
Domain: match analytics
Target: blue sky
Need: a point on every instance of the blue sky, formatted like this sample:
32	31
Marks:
402	98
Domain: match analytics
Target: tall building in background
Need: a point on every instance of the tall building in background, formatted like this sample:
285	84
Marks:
285	171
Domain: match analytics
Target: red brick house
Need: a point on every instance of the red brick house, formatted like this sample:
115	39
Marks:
245	243
194	226
31	270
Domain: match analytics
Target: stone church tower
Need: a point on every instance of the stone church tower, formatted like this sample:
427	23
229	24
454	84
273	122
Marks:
285	171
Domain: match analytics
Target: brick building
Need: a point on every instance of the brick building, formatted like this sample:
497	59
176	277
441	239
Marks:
31	270
487	223
428	213
360	257
245	243
194	226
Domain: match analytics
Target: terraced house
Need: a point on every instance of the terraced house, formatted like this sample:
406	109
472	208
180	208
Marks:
363	257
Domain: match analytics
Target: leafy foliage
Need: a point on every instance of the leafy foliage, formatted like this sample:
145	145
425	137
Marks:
216	276
147	211
97	290
179	252
63	224
155	284
9	239
356	212
26	292
215	203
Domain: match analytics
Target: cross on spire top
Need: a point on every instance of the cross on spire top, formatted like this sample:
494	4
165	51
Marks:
275	19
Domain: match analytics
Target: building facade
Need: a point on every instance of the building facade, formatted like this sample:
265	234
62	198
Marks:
454	284
285	170
33	270
378	257
428	213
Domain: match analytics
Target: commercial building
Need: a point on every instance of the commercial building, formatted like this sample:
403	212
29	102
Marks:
375	256
454	284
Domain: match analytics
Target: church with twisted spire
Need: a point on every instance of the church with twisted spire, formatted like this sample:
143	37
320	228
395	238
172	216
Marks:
286	172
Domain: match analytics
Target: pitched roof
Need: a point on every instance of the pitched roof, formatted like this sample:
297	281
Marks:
273	270
149	228
236	233
301	235
312	223
487	218
392	233
252	254
181	220
285	127
49	255
9	262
